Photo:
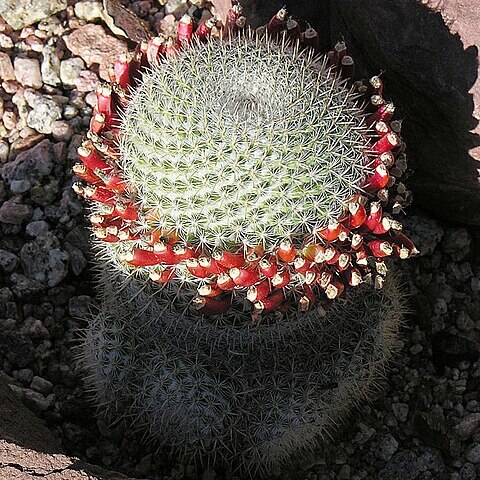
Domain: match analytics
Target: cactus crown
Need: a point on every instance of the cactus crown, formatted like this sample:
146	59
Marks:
242	142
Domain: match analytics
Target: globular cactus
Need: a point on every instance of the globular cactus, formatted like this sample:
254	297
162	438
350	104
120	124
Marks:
237	187
249	398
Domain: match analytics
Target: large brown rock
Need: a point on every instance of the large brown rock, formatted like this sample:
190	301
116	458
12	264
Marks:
429	53
29	451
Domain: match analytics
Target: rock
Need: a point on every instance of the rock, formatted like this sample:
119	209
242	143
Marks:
457	243
45	112
27	72
44	261
449	349
70	70
5	41
87	81
14	212
62	131
400	410
36	401
35	329
121	21
79	307
89	11
21	13
29	167
437	89
473	454
403	465
468	426
464	322
50	67
41	385
424	231
38	228
7	72
167	25
78	262
24	375
24	287
176	7
16	348
431	459
387	446
468	472
92	43
8	261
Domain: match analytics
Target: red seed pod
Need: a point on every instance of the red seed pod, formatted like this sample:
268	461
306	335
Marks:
334	289
330	233
104	101
384	113
205	28
386	143
377	84
271	302
380	248
126	210
339	52
379	179
268	267
83	172
343	262
97	123
111	180
99	220
141	258
308	300
312	275
374	217
92	159
229	260
154	50
286	251
325	278
277	22
293	29
311	39
258	292
361	257
387	159
182	252
348	67
381	128
225	282
314	252
353	277
281	279
400	242
121	71
211	265
382	195
185	30
331	256
383	226
357	241
211	306
301	264
105	236
196	269
344	234
231	21
210	290
357	216
244	277
165	253
163	276
99	194
127	234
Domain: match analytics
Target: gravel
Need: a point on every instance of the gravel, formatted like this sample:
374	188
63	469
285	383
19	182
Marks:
423	424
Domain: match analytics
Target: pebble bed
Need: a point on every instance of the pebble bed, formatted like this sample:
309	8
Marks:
425	423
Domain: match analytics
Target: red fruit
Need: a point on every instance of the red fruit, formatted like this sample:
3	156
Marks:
211	265
185	30
334	289
281	279
154	50
331	256
83	172
330	233
311	39
380	248
343	262
92	159
229	260
141	258
209	290
183	252
374	216
244	277
314	252
268	267
121	68
353	276
277	22
286	251
357	213
204	29
211	306
386	143
259	291
308	300
97	123
270	302
225	282
301	264
162	276
164	253
195	269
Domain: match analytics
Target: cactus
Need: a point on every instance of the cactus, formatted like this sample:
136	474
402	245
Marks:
249	398
237	188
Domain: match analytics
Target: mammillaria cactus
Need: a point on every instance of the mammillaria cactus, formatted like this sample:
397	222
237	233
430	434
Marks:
237	187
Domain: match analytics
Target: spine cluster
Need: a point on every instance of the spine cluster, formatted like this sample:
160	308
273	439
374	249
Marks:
345	244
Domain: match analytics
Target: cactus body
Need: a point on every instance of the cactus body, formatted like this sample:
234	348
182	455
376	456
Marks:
249	397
